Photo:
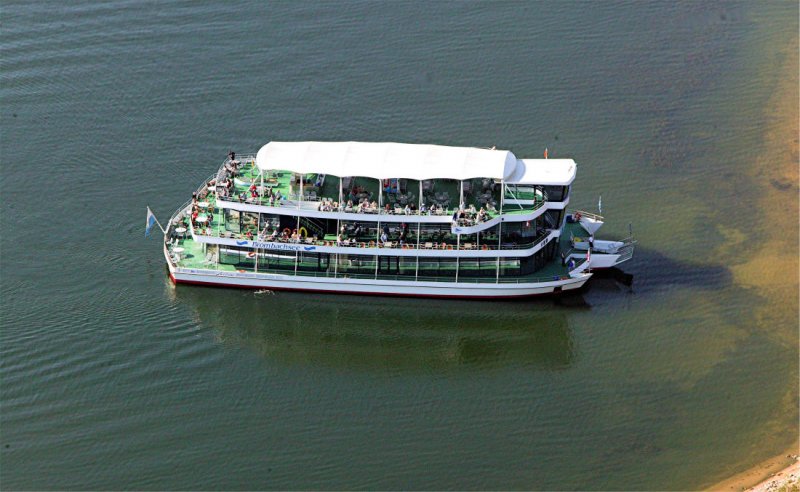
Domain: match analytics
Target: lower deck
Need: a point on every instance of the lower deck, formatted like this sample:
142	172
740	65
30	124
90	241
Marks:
186	253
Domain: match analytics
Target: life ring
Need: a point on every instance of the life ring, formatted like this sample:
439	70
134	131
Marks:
303	232
287	231
251	255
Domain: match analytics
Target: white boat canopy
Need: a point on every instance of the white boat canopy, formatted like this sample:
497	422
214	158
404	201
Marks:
556	172
387	160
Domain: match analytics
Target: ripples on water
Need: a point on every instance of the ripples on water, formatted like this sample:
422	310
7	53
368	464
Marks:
114	378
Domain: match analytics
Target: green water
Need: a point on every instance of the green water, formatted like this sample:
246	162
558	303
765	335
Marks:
112	378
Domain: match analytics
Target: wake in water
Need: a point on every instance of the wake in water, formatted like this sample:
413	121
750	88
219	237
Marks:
263	291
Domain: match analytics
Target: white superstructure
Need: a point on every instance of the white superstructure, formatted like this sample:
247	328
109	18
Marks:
383	218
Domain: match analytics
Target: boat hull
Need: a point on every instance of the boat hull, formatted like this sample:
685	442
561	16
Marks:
342	285
347	285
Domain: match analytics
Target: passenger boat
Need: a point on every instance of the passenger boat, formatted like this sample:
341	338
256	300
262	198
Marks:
388	219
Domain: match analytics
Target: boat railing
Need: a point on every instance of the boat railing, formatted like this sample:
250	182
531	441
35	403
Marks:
204	186
176	216
359	245
590	215
426	245
291	201
626	251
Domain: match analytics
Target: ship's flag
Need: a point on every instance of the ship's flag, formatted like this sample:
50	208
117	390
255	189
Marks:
545	152
151	221
600	204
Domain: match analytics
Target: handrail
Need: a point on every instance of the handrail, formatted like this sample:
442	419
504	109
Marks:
232	202
374	244
368	244
588	214
175	214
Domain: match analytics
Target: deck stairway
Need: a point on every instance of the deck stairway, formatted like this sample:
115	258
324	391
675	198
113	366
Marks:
314	227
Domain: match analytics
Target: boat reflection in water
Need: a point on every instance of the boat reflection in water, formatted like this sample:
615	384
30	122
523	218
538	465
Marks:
385	333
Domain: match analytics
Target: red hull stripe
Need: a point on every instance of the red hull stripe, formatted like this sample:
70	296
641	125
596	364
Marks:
327	291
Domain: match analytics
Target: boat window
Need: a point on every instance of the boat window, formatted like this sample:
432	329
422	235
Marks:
555	193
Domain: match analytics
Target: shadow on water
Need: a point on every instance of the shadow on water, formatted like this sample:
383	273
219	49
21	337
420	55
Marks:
383	333
651	272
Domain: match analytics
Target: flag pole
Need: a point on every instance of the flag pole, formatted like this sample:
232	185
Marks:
164	231
149	214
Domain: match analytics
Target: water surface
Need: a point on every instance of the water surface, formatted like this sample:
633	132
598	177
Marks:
113	378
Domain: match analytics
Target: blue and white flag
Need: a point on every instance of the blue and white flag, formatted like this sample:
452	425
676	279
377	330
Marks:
151	221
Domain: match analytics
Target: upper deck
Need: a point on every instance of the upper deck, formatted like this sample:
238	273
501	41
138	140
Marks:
470	202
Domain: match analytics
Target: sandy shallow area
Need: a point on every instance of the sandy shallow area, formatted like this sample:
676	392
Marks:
768	476
787	479
766	270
